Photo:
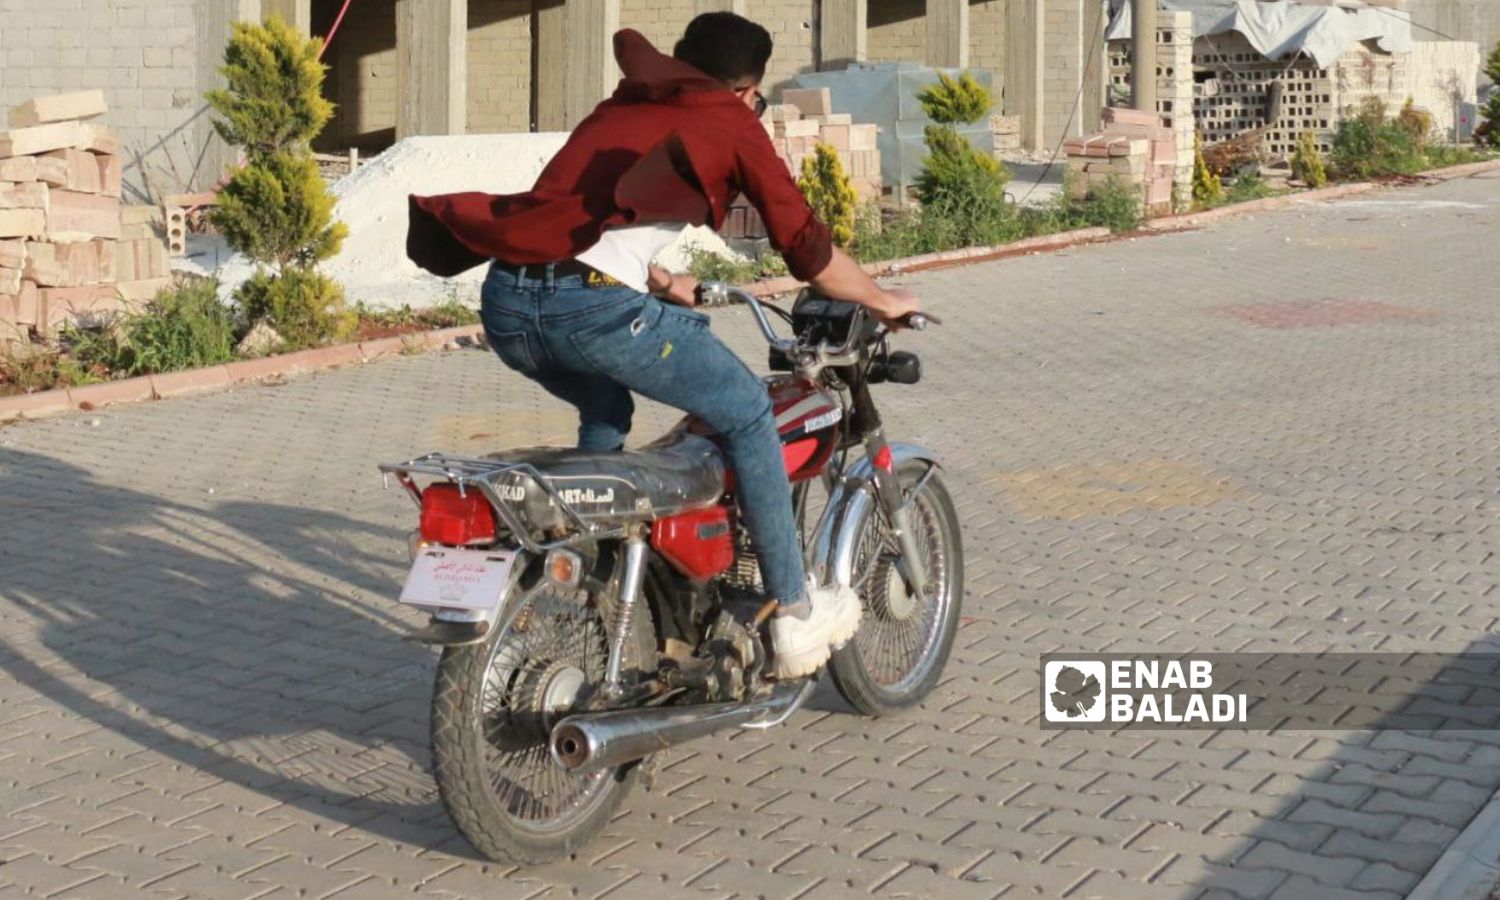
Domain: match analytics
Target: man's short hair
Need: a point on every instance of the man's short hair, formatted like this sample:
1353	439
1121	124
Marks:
728	47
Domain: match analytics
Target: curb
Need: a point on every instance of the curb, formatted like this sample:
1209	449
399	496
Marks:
245	371
1466	170
1267	204
1039	244
1462	872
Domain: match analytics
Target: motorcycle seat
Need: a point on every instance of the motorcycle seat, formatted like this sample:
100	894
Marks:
677	473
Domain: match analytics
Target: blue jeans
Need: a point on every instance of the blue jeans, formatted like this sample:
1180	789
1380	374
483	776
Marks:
592	346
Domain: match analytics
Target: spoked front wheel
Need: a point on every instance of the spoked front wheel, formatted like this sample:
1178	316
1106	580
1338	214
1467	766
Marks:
904	640
494	707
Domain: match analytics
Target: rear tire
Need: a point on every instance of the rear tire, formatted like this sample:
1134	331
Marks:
493	708
903	643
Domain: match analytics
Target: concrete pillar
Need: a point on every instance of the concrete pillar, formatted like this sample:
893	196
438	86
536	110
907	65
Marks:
841	33
296	13
1143	54
948	33
431	70
1024	69
591	72
213	22
549	66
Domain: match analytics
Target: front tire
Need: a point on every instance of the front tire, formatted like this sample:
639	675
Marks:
903	642
493	708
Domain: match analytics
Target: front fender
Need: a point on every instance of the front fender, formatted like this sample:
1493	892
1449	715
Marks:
831	553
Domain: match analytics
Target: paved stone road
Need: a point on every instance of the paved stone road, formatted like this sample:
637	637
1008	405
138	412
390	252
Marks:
1277	433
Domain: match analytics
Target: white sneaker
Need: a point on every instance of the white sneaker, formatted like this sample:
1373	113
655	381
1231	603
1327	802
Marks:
803	645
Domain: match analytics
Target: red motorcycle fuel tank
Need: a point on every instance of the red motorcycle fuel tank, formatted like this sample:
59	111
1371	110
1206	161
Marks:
810	422
699	543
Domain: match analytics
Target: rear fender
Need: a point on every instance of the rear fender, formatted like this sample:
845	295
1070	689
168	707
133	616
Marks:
831	553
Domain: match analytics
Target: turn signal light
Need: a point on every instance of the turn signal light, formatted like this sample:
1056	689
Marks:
454	518
565	568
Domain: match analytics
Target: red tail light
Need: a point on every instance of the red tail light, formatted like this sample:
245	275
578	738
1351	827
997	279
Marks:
449	517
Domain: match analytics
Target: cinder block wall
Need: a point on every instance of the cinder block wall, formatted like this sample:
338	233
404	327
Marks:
792	24
661	21
897	30
987	36
1070	41
153	60
499	66
362	76
1464	20
1442	79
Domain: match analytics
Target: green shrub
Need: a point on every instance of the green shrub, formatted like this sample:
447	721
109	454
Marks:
1488	132
1415	122
277	209
706	265
1439	156
1208	190
952	101
963	188
1307	161
829	192
1368	145
449	313
274	97
182	328
1114	205
1250	185
305	307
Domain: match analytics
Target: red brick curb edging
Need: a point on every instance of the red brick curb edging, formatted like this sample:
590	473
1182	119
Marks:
195	381
1463	171
1041	243
1266	204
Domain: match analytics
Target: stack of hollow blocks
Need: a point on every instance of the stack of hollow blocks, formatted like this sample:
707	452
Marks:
68	249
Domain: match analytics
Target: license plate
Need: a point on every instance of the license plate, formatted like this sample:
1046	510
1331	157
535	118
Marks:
462	579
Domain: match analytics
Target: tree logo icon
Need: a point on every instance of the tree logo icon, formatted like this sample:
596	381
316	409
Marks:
1073	691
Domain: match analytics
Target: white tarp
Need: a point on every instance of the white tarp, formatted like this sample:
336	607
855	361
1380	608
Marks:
1279	29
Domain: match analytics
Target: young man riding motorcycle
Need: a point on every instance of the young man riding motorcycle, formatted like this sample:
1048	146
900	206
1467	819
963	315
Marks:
569	297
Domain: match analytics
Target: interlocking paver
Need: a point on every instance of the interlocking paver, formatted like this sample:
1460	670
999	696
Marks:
215	696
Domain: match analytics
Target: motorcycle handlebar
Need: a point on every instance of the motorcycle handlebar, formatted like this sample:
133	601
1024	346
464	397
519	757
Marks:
719	292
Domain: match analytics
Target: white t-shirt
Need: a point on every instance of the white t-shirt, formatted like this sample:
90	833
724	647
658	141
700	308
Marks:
625	254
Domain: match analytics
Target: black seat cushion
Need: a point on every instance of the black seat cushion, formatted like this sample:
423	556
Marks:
677	473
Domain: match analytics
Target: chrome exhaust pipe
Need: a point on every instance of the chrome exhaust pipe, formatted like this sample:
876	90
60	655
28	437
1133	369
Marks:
588	742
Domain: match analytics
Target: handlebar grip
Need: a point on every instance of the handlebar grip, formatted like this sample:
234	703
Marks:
919	321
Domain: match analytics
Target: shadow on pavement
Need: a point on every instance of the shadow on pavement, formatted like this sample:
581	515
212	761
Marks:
168	627
1415	757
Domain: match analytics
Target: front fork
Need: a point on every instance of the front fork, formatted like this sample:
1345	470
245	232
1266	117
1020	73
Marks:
897	509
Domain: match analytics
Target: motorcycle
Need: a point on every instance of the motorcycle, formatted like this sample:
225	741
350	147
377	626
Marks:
597	608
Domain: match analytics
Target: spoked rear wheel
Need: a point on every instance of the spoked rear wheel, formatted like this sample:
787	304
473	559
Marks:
904	640
494	707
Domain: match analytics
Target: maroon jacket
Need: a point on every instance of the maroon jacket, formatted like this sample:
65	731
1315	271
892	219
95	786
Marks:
671	145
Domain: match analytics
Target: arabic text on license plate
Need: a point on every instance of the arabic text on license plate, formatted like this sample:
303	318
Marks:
465	579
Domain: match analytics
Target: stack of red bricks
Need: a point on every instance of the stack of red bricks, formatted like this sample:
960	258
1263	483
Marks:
805	118
797	125
60	224
1136	148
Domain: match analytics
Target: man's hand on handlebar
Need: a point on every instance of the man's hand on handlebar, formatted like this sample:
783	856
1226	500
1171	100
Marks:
895	306
673	288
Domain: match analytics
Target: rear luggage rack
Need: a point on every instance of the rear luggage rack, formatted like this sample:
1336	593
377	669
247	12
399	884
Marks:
484	475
